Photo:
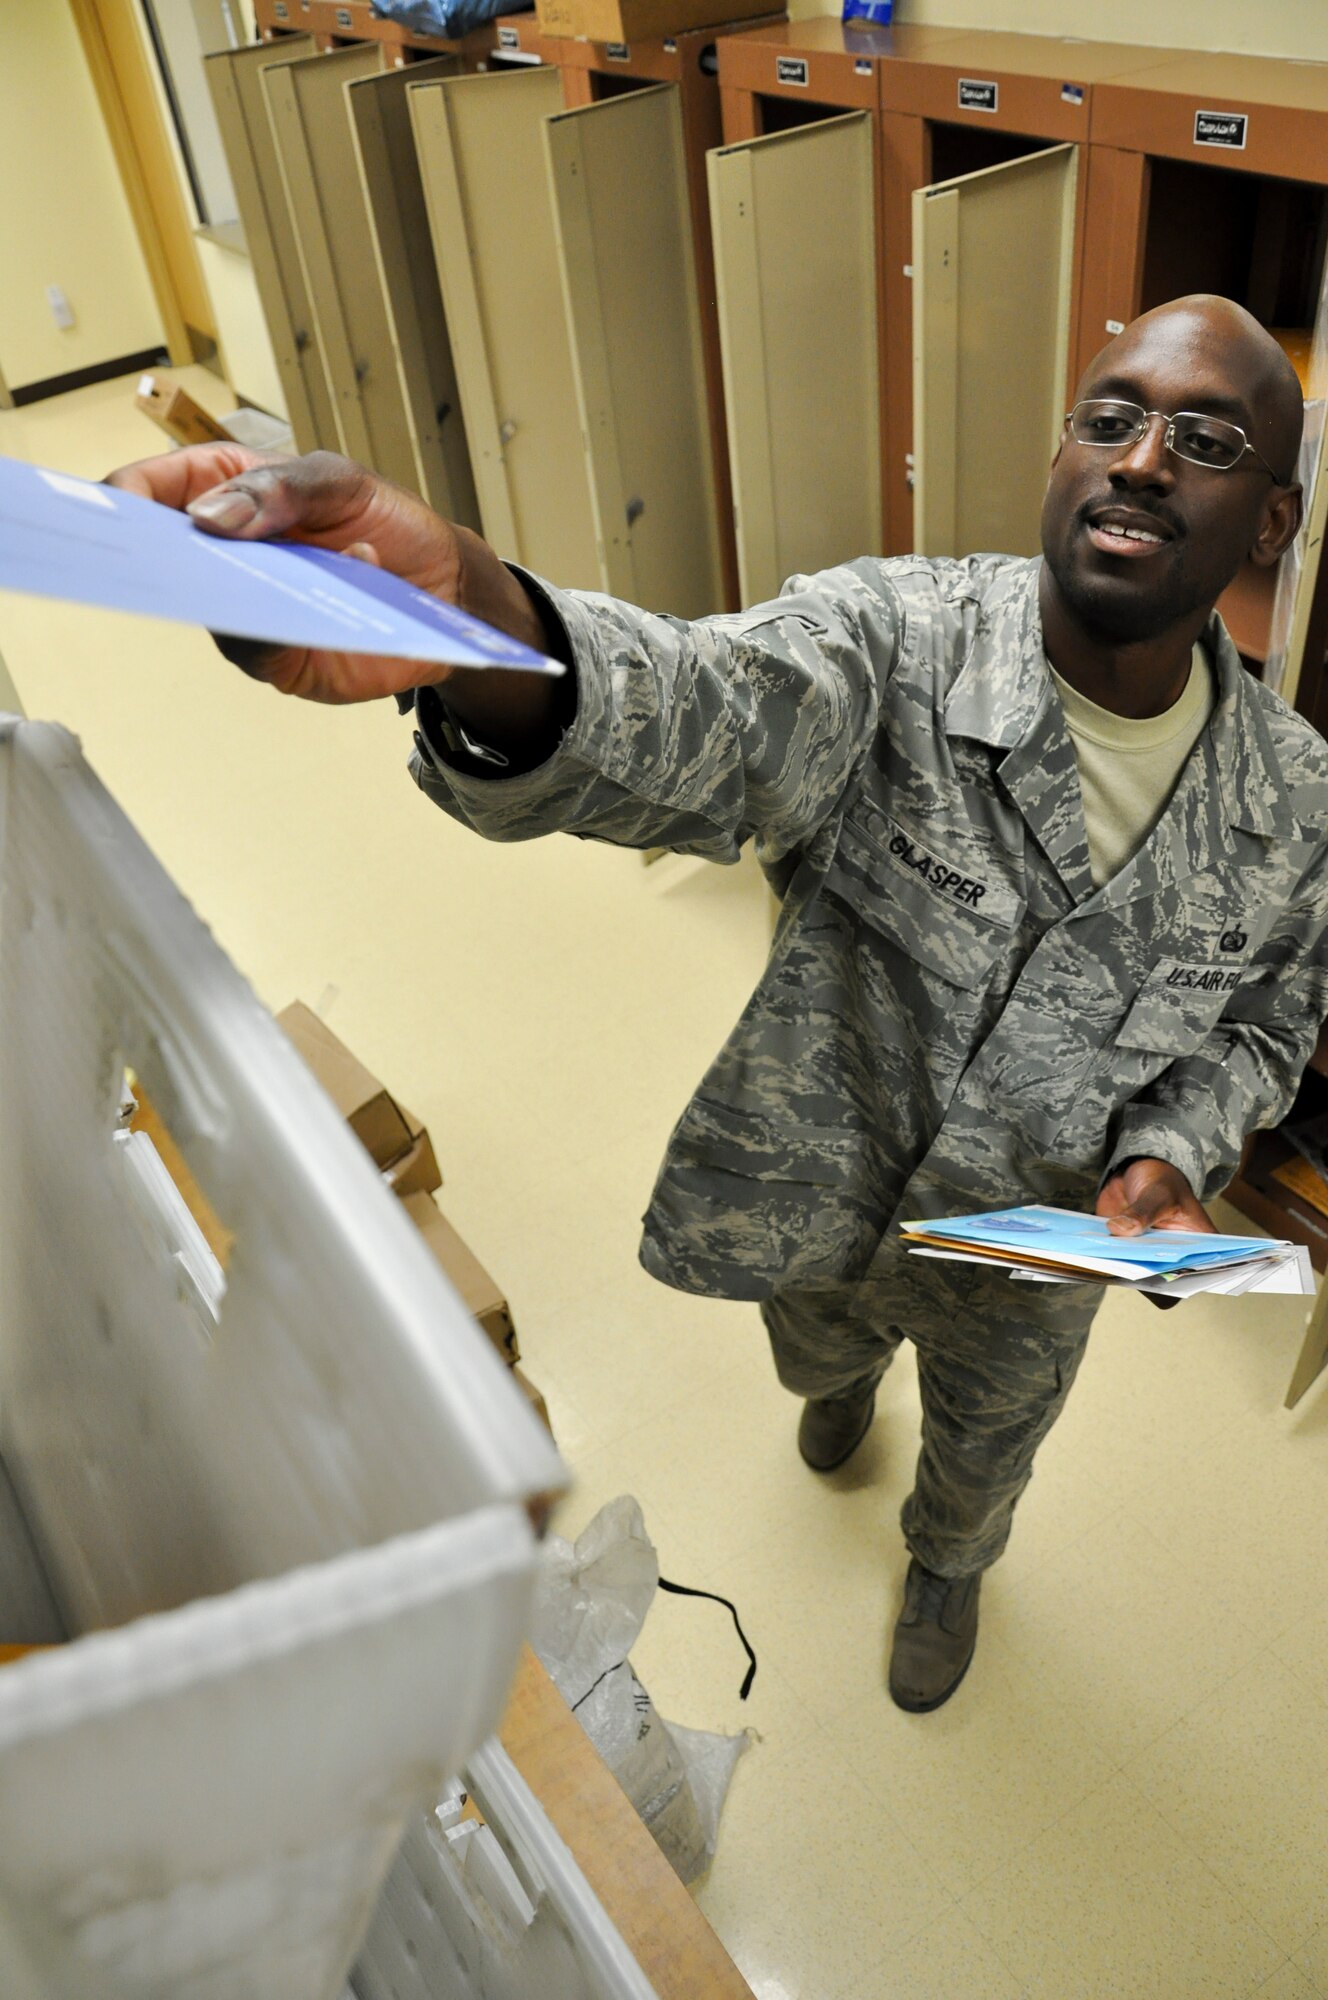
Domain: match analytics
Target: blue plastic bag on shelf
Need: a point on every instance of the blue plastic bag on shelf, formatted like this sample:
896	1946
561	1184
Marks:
876	13
449	18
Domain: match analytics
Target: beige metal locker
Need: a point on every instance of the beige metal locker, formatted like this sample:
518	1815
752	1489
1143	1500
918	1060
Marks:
236	80
480	149
992	261
795	263
408	278
307	105
628	268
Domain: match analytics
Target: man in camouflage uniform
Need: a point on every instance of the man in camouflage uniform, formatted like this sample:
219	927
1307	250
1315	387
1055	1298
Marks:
955	1015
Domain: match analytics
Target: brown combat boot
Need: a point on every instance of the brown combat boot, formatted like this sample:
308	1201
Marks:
832	1427
935	1637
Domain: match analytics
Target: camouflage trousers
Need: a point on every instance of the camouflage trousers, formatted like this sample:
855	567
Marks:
996	1361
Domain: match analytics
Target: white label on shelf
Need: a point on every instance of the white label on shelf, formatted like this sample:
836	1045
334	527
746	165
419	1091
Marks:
280	10
1115	326
976	96
508	38
1220	128
862	68
791	69
345	19
617	52
1073	93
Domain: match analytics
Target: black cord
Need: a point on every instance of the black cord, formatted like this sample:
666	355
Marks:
685	1590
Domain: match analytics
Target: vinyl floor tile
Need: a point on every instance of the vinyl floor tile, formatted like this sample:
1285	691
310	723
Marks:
814	1884
947	1961
1128	1637
1243	1779
1289	1983
980	1779
1110	1901
1245	1517
1312	1959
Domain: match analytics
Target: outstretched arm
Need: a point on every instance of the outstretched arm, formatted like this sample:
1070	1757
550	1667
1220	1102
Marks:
333	503
666	733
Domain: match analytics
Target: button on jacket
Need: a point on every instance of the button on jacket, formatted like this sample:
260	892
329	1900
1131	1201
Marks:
952	1016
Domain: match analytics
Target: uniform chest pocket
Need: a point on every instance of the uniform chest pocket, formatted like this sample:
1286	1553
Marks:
1177	1006
939	905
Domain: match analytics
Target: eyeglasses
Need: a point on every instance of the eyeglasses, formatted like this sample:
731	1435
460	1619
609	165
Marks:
1202	440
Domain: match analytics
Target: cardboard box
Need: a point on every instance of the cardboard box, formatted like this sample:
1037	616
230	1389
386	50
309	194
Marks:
626	21
395	1139
182	419
533	1397
479	1292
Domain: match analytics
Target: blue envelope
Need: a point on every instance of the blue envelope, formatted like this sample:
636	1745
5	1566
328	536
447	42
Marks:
1064	1235
70	538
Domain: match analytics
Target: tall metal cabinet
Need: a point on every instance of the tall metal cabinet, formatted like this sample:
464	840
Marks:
949	110
565	256
479	141
793	77
793	217
426	392
235	79
1210	173
993	274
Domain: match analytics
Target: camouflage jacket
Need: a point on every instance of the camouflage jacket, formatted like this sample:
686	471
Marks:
952	1016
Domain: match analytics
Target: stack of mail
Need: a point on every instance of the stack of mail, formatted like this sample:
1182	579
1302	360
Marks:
1060	1246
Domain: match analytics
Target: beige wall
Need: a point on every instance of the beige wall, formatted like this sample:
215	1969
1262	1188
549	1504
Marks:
1258	27
243	342
64	218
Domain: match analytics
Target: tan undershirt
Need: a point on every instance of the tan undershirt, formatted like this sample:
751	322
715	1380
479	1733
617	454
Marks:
1128	765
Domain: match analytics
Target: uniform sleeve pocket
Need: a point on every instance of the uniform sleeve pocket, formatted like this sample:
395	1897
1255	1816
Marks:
756	1148
1177	1006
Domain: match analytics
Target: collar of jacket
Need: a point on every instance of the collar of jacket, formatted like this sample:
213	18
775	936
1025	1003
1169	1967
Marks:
1003	696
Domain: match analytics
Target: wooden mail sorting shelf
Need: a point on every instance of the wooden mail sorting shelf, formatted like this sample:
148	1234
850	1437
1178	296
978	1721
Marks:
954	108
235	79
336	24
564	251
592	71
323	158
1210	173
274	18
784	77
946	105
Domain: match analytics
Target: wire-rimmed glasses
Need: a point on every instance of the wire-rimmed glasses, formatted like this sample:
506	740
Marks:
1200	439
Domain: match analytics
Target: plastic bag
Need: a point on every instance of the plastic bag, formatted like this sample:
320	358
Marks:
449	18
873	13
590	1603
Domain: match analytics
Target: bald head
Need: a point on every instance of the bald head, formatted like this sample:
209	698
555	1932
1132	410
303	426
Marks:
1140	532
1216	337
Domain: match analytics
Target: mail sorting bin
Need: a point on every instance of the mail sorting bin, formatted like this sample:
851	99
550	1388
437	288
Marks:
277	1505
